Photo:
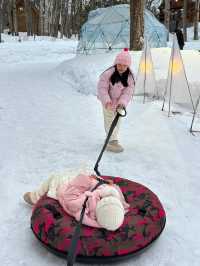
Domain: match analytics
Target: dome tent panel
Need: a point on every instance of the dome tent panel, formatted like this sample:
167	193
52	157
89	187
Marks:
114	24
156	32
112	14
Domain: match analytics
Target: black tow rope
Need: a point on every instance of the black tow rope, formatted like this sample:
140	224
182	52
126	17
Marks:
112	127
71	257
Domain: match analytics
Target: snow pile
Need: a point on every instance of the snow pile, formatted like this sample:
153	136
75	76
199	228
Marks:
83	71
41	49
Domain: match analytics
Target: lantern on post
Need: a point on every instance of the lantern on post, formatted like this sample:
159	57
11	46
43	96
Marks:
145	81
177	90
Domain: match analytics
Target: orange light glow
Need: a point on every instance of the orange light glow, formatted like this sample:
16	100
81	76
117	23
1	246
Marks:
146	67
176	66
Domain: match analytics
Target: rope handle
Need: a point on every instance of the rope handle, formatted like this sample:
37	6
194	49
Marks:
121	111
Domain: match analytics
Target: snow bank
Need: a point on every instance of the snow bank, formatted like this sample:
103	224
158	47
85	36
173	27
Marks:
83	71
41	49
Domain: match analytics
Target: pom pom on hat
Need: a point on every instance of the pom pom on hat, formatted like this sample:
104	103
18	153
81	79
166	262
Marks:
110	213
123	58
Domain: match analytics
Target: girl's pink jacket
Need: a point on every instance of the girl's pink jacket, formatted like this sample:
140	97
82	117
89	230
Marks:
72	195
117	94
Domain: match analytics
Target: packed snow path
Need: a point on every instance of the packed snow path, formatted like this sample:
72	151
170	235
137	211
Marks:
46	127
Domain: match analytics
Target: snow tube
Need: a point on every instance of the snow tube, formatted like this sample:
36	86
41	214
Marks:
142	225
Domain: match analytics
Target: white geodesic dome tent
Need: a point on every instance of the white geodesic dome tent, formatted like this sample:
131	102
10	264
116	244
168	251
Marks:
108	28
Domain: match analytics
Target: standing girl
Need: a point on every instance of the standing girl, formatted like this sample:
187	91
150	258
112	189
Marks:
115	90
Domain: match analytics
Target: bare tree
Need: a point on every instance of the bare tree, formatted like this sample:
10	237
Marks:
196	20
67	28
79	16
136	24
76	15
46	17
42	17
15	24
72	16
185	8
12	16
29	19
54	17
10	20
63	18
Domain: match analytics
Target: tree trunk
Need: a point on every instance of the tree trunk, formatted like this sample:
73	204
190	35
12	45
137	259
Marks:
185	6
136	24
46	16
57	18
79	17
50	19
93	4
29	19
72	17
62	18
167	16
54	17
41	19
10	17
67	28
196	20
15	24
1	18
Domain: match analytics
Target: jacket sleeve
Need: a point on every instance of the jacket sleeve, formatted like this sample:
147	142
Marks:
127	93
86	220
103	88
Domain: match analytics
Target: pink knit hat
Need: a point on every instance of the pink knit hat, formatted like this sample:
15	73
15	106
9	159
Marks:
123	58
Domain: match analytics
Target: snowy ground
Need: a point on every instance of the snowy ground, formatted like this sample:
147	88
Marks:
191	44
48	123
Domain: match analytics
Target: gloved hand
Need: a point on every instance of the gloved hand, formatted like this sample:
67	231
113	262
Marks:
120	106
108	105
